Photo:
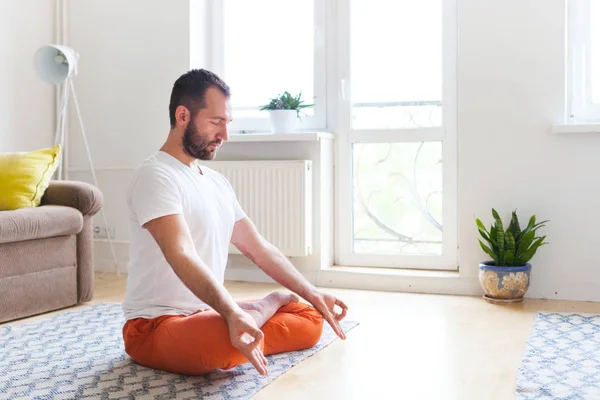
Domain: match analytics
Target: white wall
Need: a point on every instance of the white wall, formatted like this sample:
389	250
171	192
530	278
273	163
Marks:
131	52
510	91
26	103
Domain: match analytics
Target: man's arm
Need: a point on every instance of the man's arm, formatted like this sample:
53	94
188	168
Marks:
172	235
275	264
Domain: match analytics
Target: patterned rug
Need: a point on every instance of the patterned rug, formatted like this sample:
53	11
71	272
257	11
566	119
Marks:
562	358
80	355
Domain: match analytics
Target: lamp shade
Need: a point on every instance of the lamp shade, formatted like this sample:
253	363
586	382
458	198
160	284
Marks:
55	63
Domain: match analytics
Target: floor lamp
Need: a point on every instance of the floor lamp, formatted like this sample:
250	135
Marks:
56	64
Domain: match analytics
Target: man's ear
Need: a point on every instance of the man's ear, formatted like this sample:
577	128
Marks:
182	115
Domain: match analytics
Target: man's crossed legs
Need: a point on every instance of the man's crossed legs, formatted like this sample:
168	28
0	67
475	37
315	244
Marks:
199	343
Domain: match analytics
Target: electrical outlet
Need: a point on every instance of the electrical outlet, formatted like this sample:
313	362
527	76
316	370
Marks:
100	232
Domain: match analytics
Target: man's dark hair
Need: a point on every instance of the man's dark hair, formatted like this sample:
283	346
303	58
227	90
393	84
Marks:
190	88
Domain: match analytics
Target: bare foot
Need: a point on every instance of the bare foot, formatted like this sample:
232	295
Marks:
281	298
262	310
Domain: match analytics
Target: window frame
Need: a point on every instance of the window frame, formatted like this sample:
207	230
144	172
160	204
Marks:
346	136
317	121
332	84
580	107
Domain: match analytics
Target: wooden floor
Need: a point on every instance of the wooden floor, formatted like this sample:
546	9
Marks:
407	346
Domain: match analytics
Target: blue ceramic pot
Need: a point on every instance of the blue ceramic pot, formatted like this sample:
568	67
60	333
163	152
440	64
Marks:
506	283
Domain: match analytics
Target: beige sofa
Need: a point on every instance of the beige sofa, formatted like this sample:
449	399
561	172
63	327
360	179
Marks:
46	252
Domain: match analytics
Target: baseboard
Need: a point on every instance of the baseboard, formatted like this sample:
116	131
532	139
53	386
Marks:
438	282
255	274
103	260
435	282
247	274
108	265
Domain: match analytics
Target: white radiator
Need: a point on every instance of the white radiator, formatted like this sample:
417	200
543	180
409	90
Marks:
277	197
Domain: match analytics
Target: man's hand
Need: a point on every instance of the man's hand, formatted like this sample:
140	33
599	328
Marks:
246	337
272	261
325	303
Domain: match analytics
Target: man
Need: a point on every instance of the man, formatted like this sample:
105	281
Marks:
180	318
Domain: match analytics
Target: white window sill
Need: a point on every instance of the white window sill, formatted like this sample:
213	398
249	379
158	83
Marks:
385	279
576	128
280	137
414	273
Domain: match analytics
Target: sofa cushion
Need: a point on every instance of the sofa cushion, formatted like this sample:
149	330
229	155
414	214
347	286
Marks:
37	292
25	176
39	222
27	257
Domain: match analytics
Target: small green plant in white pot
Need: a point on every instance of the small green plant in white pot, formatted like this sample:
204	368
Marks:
506	278
284	112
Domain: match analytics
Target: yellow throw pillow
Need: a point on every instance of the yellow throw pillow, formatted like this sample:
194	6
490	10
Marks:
25	176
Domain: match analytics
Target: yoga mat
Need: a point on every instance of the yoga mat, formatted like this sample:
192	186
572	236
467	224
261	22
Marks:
80	355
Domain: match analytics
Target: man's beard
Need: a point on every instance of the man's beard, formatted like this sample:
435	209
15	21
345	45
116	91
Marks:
196	145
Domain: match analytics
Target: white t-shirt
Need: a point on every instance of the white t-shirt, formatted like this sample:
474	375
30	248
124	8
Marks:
162	185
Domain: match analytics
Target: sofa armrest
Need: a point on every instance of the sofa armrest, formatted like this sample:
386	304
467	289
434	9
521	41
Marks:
84	197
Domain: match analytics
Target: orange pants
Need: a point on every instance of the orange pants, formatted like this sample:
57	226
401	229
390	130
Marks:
199	343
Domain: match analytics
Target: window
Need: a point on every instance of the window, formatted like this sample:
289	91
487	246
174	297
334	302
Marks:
269	47
382	74
396	202
396	62
584	60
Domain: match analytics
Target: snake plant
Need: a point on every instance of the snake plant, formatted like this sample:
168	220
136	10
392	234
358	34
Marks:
511	247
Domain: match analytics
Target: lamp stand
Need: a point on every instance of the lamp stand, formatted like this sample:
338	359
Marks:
60	137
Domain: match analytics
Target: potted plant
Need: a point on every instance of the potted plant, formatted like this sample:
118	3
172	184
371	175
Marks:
284	112
505	278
